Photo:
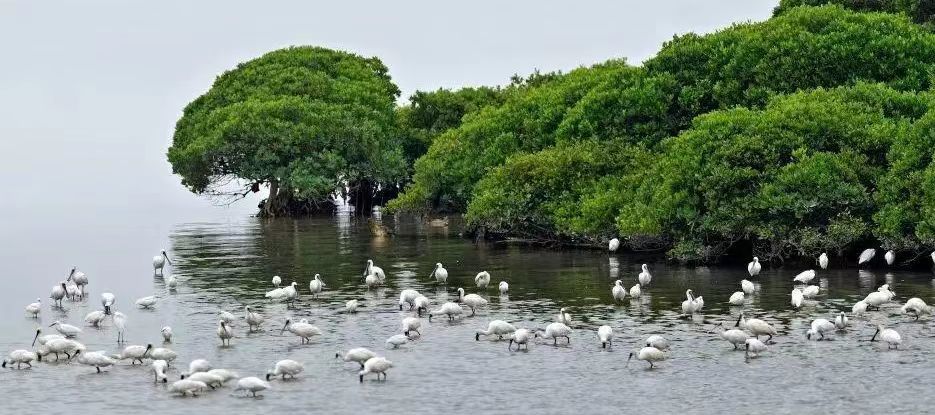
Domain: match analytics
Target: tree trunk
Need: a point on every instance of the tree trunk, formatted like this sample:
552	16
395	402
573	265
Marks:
271	207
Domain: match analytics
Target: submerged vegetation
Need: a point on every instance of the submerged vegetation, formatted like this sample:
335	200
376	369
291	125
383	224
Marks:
809	132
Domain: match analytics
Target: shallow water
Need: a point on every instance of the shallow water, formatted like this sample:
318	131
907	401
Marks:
228	264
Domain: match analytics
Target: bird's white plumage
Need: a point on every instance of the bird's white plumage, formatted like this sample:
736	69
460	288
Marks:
804	277
618	291
252	384
358	354
449	309
410	324
650	354
277	281
397	340
20	357
440	274
497	328
66	330
378	365
823	260
316	285
285	367
97	359
554	331
866	256
754	267
146	302
747	287
301	329
840	322
521	337
166	334
613	245
606	335
644	277
187	387
253	319
503	287
473	301
33	309
797	298
736	298
819	327
482	279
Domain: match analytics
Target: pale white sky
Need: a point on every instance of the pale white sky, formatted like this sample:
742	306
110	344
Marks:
90	90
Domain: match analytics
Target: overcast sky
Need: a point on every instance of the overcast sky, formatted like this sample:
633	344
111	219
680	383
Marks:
90	90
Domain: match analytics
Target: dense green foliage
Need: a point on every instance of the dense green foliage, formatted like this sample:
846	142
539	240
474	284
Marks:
801	134
307	121
921	11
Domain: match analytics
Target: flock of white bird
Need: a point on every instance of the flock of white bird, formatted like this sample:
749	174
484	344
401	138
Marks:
201	376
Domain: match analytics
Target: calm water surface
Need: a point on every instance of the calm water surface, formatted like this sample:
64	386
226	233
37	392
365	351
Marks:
228	264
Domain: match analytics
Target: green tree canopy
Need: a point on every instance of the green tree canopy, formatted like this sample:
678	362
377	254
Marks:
921	11
307	121
797	177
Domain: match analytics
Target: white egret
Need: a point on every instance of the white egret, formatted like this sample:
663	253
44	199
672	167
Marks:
649	354
58	293
797	298
226	316
187	387
618	292
890	336
756	327
411	324
197	365
224	333
819	327
691	304
810	291
146	302
95	318
754	347
521	337
866	256
162	353
316	285
358	354
159	262
823	260
166	334
350	306
563	317
916	307
804	277
449	309
754	267
890	257
80	279
252	384
736	298
71	290
66	330
606	336
613	245
482	279
207	378
285	367
407	296
554	331
134	353
159	368
859	308
421	304
733	336
277	281
376	365
503	287
172	281
374	270
397	340
747	287
120	322
658	342
108	300
285	294
97	359
440	274
253	318
497	328
645	277
19	358
473	301
301	329
223	374
840	322
372	280
65	346
636	291
33	309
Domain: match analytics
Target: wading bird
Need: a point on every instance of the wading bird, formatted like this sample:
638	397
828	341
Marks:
252	384
378	365
497	328
606	335
482	279
473	301
359	355
753	268
649	354
159	262
301	329
285	367
440	274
